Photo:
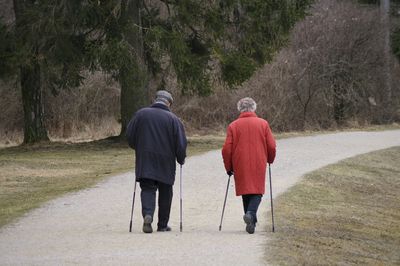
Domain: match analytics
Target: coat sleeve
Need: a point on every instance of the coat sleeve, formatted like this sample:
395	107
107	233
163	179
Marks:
181	143
271	144
227	150
131	132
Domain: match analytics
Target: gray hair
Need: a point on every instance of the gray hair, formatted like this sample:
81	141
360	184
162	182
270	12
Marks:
246	105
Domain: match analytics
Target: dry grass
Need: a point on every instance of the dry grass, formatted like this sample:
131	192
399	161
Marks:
32	175
293	134
343	214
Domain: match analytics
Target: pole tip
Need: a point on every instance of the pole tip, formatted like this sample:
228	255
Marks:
219	228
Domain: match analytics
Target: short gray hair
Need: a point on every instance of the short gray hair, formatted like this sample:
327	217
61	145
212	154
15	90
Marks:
246	104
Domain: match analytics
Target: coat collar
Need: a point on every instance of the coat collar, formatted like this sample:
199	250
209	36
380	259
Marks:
161	106
247	114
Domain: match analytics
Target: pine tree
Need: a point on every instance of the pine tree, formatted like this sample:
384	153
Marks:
53	41
30	75
190	34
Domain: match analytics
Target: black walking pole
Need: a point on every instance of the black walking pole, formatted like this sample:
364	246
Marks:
181	199
223	209
133	203
270	191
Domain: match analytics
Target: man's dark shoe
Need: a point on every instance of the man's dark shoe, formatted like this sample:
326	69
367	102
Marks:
147	224
250	224
164	229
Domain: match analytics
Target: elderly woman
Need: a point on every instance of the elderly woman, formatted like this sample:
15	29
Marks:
249	145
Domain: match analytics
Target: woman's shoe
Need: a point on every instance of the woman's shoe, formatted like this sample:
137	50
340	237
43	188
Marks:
147	224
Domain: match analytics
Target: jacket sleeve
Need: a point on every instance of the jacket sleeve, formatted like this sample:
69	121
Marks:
181	143
227	150
131	132
271	144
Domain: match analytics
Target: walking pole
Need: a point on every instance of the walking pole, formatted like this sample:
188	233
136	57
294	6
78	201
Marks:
133	203
270	191
223	209
181	199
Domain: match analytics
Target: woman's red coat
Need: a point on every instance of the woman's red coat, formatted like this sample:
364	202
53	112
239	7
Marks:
249	145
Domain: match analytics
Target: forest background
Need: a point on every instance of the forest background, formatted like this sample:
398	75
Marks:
78	70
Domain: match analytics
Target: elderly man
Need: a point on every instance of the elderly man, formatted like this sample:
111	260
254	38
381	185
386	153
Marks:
249	145
158	137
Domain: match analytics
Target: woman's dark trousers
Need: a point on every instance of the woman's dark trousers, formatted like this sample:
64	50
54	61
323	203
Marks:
251	203
148	196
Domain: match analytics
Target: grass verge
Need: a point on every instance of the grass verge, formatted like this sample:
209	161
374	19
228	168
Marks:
343	214
33	174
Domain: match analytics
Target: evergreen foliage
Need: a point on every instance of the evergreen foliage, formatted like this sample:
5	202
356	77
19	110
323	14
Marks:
259	29
370	2
58	32
240	35
7	58
134	38
396	32
396	42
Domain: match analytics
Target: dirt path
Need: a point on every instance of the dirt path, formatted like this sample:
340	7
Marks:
91	227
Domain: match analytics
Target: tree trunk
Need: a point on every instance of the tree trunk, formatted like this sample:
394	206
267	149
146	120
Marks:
338	104
134	93
385	17
32	101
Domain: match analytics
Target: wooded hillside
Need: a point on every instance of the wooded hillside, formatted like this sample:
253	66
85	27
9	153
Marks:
308	67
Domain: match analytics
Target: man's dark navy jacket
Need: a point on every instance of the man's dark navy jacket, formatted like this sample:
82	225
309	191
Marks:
158	137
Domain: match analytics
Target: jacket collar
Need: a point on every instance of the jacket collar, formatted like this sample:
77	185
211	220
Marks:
247	114
160	105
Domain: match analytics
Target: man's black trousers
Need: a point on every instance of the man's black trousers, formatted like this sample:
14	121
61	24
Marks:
148	196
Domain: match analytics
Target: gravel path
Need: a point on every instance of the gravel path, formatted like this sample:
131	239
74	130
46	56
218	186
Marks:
90	227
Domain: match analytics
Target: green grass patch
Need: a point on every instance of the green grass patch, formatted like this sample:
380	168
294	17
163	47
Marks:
343	214
33	174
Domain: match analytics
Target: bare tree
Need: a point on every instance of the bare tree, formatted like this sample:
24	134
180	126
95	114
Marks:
338	63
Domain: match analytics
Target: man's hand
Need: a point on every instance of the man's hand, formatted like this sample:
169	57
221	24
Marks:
229	173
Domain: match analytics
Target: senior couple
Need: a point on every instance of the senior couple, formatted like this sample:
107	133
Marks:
158	138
